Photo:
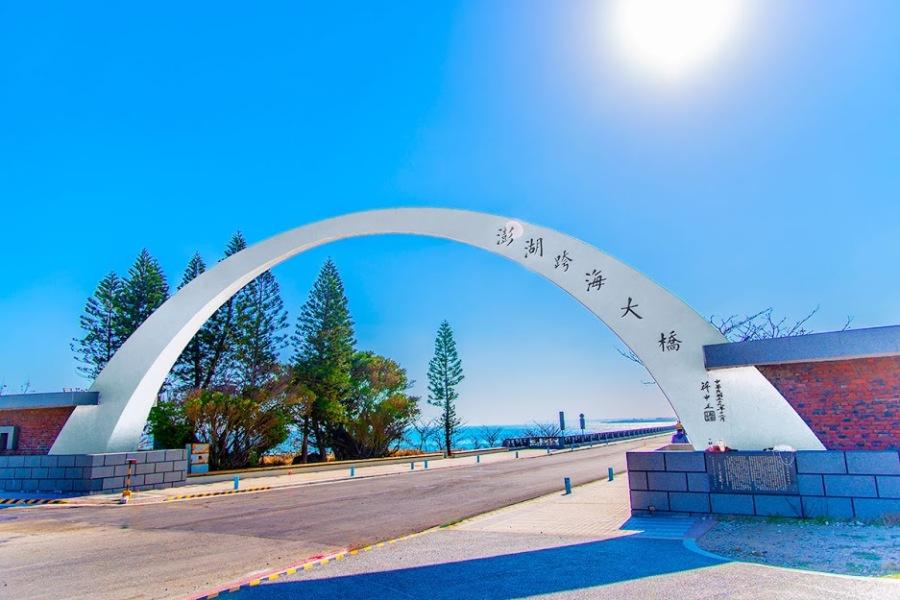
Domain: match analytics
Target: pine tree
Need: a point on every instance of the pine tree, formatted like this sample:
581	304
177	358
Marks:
100	340
191	368
444	374
221	327
260	320
143	291
323	352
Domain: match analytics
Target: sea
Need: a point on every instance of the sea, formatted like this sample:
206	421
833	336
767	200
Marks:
471	437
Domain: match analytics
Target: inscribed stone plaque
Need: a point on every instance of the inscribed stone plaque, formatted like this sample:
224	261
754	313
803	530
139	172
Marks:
752	472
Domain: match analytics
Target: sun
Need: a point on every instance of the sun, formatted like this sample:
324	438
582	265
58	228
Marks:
673	39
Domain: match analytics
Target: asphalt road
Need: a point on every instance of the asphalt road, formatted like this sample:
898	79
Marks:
176	549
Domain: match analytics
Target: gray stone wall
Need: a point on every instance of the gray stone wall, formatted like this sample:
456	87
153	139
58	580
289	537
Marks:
862	485
92	473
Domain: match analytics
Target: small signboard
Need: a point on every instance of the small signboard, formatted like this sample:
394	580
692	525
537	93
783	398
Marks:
752	473
198	458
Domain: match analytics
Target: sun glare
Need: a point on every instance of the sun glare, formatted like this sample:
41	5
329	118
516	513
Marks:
673	38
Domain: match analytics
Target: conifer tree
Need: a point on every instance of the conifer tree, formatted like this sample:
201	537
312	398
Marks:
260	320
323	352
444	374
221	327
191	368
101	339
143	291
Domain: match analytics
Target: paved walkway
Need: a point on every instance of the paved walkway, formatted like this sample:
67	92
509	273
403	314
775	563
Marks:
583	545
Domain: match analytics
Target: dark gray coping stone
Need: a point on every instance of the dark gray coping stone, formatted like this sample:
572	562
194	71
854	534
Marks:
821	461
645	461
48	400
870	342
33	460
111	460
177	454
685	461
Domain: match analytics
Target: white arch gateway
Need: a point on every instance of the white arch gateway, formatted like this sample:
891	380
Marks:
738	405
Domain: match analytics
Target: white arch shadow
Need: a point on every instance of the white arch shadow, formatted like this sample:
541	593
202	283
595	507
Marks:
755	415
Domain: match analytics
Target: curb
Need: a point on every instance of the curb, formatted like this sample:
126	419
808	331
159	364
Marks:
306	565
221	493
30	501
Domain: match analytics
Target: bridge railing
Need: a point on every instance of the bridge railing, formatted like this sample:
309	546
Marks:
565	441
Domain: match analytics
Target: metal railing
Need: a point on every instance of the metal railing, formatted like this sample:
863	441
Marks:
566	441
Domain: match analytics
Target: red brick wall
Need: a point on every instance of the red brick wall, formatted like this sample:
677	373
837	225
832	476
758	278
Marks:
850	404
37	427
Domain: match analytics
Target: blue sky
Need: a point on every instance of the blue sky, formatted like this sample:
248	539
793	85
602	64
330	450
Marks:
770	178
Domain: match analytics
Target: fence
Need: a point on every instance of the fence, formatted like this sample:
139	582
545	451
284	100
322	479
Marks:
566	441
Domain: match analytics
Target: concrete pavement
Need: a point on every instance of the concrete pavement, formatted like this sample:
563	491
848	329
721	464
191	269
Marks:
584	545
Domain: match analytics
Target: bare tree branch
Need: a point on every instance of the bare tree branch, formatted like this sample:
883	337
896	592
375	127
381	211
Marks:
630	355
543	430
491	436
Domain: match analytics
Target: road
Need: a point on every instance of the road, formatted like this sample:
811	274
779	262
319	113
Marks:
176	549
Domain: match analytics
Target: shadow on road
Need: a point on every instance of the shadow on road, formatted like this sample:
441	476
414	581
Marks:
551	570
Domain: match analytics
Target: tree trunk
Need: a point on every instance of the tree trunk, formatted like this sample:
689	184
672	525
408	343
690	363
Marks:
304	444
320	442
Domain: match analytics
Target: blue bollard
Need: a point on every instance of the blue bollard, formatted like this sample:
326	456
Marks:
517	454
352	471
237	481
568	484
548	450
426	464
610	472
477	458
412	466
